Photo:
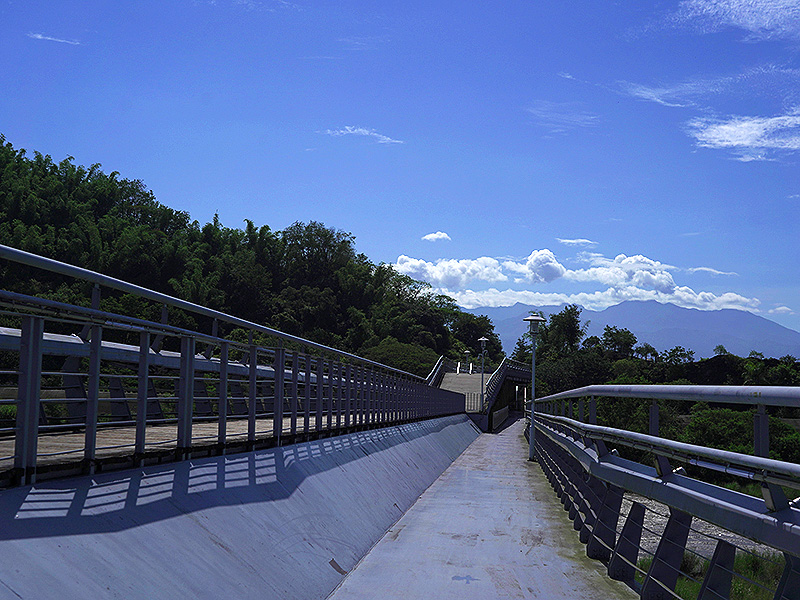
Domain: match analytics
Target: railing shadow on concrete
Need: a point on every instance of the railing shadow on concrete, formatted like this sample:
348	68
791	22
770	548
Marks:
95	390
120	500
584	464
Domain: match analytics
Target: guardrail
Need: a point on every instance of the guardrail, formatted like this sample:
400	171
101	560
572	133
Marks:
583	462
520	371
83	390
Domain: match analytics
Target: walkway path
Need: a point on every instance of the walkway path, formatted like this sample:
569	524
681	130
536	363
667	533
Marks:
489	527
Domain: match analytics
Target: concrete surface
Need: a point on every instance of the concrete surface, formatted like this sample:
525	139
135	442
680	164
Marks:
281	523
489	527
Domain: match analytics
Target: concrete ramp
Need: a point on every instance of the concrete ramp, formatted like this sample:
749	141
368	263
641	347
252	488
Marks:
280	523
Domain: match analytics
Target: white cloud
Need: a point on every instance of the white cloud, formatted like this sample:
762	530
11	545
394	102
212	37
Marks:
623	277
682	296
709	270
560	117
751	137
40	36
362	131
764	80
439	235
577	242
781	310
763	19
451	273
541	266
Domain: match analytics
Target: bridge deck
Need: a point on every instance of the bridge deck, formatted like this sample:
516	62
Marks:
489	527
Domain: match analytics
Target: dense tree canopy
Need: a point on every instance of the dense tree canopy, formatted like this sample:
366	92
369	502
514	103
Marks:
306	280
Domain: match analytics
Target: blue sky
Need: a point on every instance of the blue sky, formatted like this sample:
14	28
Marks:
541	152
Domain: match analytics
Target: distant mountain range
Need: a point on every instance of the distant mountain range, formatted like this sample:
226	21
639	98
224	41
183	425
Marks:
665	326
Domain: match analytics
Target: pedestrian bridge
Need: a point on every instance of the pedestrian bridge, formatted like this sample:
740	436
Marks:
141	459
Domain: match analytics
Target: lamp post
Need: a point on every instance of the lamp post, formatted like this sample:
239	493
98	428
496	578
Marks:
466	364
533	321
483	341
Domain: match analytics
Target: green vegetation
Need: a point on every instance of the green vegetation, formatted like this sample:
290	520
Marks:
756	575
307	280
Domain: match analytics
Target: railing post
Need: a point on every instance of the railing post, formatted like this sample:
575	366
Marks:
277	410
320	393
293	399
307	394
185	397
92	400
142	386
350	394
666	564
719	576
789	585
252	394
28	399
604	534
222	408
626	551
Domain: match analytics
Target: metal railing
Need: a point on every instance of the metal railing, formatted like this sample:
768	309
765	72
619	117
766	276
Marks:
83	390
508	368
611	494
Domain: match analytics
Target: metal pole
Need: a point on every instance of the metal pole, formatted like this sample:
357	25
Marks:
533	321
532	431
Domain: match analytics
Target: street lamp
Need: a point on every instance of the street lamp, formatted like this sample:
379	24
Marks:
466	364
483	341
534	321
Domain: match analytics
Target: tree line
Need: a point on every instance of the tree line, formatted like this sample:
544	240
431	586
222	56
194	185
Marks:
306	280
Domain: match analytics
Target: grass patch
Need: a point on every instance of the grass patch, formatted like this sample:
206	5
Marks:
756	575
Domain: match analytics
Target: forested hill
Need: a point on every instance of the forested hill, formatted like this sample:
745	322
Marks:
307	279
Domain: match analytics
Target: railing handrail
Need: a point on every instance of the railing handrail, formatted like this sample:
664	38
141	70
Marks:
54	266
496	379
729	394
760	466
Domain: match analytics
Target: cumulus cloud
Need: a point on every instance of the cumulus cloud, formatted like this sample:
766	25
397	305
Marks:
750	137
451	273
598	300
622	278
41	36
540	267
577	242
762	19
362	131
433	237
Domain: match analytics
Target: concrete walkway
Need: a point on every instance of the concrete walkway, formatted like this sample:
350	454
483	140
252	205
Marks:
489	527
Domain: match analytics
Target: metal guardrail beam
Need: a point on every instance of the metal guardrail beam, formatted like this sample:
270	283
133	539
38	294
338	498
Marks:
752	395
54	266
591	481
262	395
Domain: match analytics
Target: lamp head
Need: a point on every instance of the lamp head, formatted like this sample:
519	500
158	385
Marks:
483	341
534	321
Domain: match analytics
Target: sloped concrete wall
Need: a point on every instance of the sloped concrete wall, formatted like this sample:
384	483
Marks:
281	523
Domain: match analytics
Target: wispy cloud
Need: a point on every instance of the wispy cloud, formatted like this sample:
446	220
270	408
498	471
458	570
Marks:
41	36
710	271
362	131
433	237
577	242
751	138
765	80
761	19
560	117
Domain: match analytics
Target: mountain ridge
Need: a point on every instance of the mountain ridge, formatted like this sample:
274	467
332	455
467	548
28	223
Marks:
664	326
